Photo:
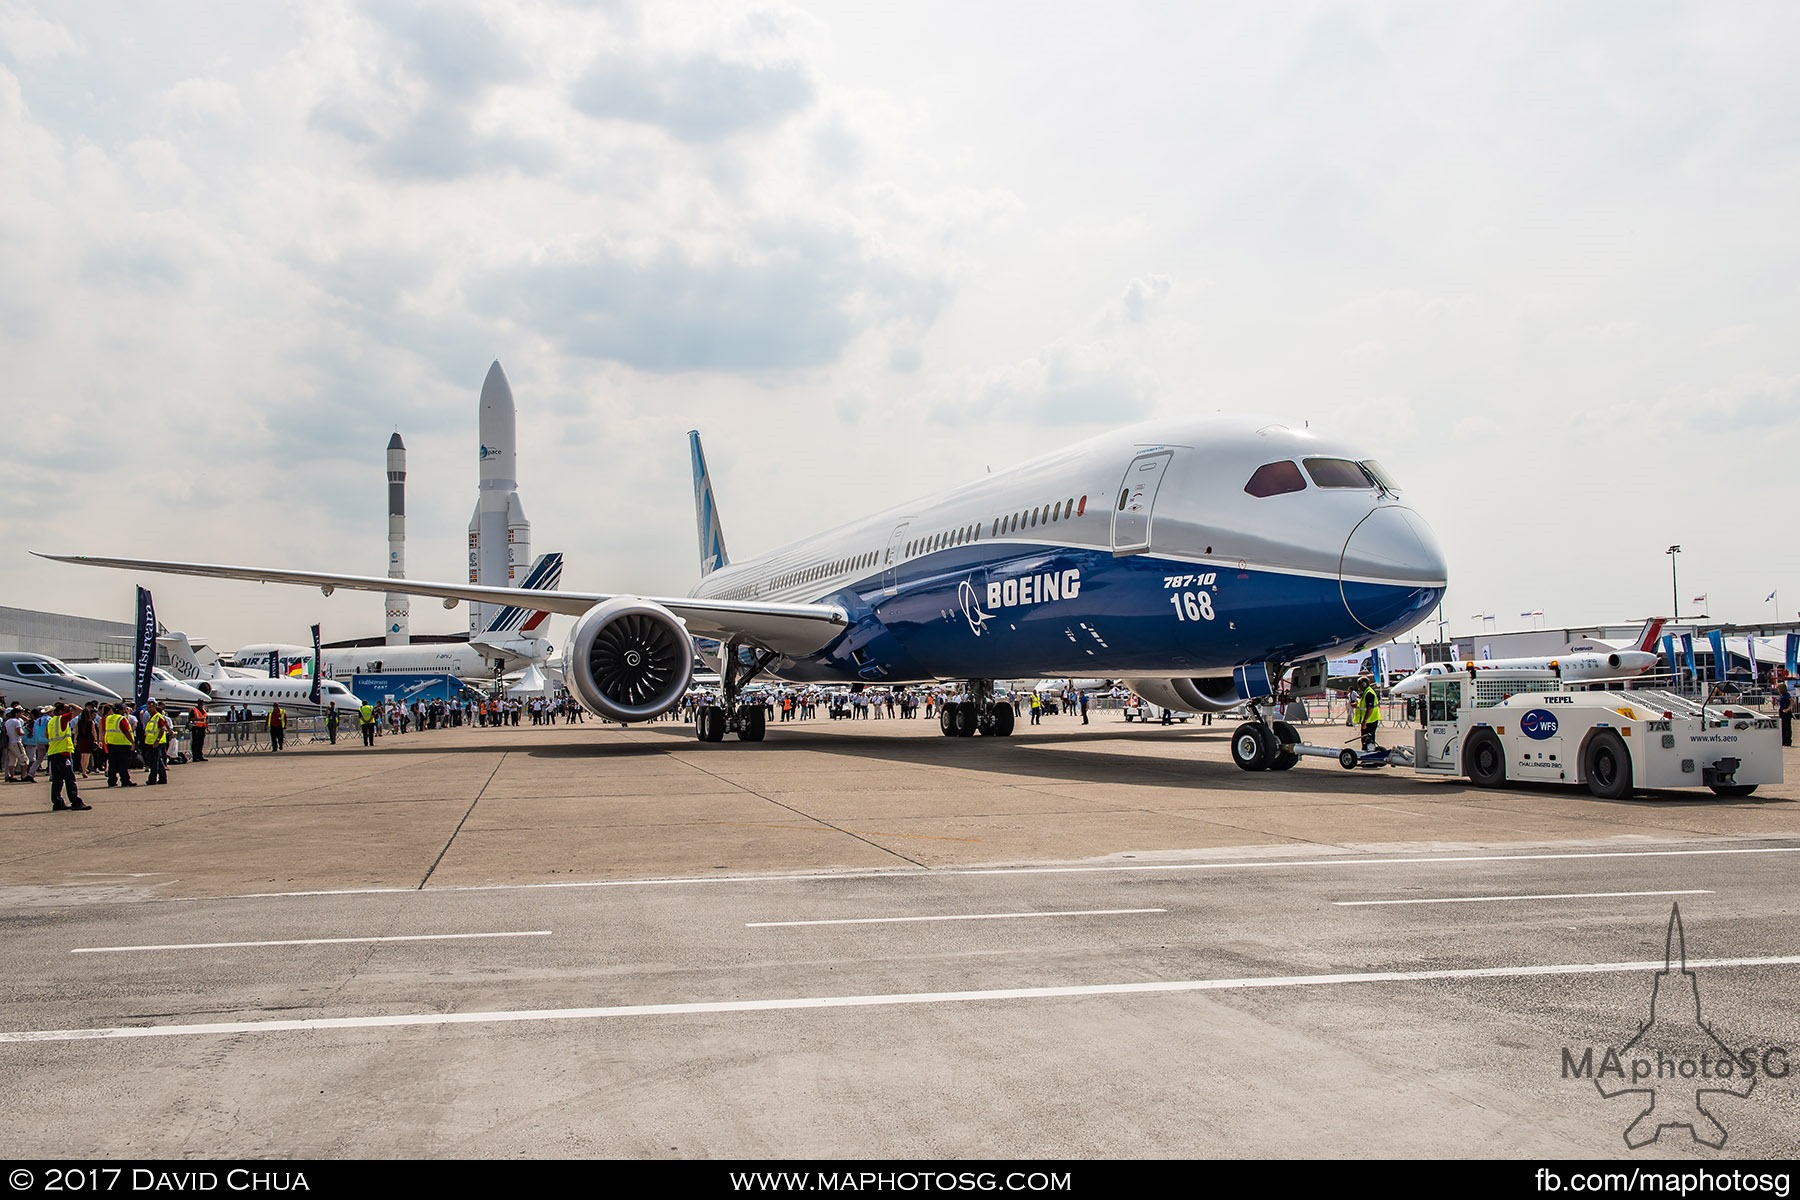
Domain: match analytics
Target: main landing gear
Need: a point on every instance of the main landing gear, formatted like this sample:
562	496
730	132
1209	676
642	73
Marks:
980	713
749	721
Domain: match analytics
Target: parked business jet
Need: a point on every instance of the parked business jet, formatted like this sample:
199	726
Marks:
37	680
121	677
256	692
1194	558
1585	666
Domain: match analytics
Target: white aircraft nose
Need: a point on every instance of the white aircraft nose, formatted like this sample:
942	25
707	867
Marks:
1388	558
1394	545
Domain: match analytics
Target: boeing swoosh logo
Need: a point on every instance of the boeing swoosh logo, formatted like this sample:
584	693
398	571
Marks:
971	606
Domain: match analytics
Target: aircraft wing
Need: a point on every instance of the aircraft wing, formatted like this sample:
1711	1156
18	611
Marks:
796	629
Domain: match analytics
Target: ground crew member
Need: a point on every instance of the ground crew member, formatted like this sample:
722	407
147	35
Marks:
197	733
1367	713
1784	707
1037	709
331	722
277	727
365	716
62	760
156	745
120	733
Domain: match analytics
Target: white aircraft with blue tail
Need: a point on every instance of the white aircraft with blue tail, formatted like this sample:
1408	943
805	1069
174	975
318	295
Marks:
1196	559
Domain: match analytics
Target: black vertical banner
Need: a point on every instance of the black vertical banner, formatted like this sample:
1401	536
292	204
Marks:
274	663
146	647
316	689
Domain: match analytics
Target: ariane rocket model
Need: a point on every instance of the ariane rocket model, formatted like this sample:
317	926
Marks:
399	606
499	532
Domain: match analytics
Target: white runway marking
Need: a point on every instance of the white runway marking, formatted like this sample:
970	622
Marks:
1083	912
340	941
876	1001
1487	899
1273	864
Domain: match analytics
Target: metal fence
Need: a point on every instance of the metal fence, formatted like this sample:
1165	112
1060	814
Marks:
252	737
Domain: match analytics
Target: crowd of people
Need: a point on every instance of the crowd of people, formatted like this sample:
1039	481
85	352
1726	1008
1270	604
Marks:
70	744
785	703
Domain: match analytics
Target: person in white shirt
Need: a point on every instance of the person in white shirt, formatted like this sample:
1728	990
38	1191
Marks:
14	728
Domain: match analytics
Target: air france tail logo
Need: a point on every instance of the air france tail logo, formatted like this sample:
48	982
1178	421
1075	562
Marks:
971	607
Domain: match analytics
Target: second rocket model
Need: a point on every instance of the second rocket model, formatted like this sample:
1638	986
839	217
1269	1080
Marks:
499	532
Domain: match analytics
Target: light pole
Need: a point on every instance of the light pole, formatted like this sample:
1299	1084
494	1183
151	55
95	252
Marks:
1674	586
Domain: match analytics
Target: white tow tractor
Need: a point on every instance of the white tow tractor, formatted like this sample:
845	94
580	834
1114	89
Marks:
1523	726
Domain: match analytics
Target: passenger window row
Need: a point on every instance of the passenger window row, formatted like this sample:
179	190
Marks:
1031	518
817	572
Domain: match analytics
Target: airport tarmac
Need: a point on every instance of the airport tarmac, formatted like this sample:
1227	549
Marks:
864	939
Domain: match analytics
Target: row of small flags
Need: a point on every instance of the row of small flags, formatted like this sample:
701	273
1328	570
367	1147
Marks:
1720	661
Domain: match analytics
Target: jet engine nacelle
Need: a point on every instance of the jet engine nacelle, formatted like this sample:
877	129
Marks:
628	659
1206	694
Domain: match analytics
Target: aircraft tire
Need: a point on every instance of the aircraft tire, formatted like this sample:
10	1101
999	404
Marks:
1285	735
1250	747
1484	759
1003	719
945	722
963	719
753	723
1608	766
709	724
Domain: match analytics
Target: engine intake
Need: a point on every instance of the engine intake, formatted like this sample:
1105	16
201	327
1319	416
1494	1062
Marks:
1205	694
628	659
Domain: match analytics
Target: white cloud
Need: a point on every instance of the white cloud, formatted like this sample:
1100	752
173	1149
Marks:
30	37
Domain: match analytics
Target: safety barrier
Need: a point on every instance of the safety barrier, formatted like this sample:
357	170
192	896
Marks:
226	738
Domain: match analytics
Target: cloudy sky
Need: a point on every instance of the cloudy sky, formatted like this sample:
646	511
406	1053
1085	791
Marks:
1541	257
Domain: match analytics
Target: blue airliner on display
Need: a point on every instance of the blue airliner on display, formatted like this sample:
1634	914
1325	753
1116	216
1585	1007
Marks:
1194	558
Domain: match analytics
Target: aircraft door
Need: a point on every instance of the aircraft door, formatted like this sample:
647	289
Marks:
1136	501
890	569
1438	725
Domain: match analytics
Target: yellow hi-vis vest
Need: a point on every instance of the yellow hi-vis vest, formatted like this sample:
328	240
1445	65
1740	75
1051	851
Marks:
156	729
1368	708
118	730
366	714
62	736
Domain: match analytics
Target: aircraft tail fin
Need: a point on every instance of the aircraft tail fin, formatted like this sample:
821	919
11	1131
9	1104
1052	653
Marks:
187	663
516	620
706	512
1652	630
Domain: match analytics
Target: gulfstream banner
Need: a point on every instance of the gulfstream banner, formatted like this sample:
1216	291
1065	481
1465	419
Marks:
314	694
146	648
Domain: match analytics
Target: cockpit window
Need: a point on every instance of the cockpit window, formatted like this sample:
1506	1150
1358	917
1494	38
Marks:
1274	479
1338	473
28	668
1381	476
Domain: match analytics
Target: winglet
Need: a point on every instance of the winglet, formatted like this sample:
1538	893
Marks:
706	512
